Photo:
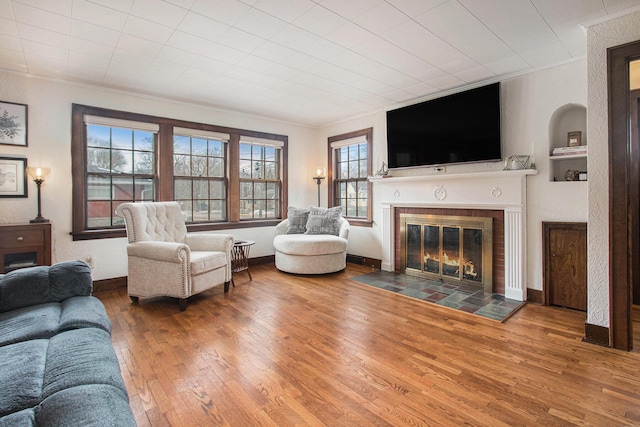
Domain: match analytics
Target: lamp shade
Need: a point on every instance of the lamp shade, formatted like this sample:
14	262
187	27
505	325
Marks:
320	172
38	172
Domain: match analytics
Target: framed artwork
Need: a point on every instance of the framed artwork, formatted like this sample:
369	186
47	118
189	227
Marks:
13	124
13	177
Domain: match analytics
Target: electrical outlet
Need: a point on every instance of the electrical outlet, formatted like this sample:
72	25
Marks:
440	169
89	261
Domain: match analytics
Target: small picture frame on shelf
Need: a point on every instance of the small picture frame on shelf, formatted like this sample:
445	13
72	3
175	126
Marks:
516	162
574	139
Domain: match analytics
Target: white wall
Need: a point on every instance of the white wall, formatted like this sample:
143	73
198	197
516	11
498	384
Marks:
49	142
600	37
528	104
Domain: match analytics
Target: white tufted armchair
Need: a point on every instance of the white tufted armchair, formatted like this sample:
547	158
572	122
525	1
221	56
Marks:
165	260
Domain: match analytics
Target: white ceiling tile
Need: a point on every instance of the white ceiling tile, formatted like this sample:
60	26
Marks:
95	33
349	35
507	65
475	74
78	72
8	27
324	50
89	47
168	67
185	4
421	42
384	52
349	9
469	35
294	37
50	66
201	26
446	82
225	54
269	68
421	89
252	77
179	56
61	7
6	10
226	11
43	36
538	57
147	30
413	8
81	60
158	11
119	5
614	6
41	18
139	46
320	21
287	10
42	50
399	95
153	78
98	15
13	60
189	43
260	24
240	40
132	58
12	43
211	66
381	18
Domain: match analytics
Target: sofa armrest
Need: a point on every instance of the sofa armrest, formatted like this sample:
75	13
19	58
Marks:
282	227
39	285
160	251
210	242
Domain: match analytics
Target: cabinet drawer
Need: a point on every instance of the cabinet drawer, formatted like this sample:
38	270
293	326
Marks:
21	238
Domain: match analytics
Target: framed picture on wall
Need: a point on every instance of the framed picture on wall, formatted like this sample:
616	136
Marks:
13	177
13	124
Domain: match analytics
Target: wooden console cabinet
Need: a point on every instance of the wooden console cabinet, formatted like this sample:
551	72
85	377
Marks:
24	245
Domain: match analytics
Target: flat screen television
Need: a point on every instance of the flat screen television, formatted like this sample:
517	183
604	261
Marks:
459	128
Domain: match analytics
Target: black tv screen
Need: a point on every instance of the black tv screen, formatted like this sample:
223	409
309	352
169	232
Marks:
459	128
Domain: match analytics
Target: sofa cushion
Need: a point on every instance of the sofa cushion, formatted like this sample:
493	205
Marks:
95	405
22	368
41	321
204	261
297	223
26	418
324	221
306	245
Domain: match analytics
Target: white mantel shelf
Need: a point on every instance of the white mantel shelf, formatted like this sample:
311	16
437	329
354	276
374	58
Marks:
501	190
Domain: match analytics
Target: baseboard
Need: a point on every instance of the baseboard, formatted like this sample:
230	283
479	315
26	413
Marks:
595	334
361	260
109	284
262	260
534	296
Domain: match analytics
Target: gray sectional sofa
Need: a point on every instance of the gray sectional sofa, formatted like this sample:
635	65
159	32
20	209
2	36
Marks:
57	364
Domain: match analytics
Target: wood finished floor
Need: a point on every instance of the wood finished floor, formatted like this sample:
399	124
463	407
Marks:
286	350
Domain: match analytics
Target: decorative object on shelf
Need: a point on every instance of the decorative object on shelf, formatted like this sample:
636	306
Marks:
572	175
13	178
320	173
383	171
583	176
440	193
516	162
38	175
574	139
13	124
570	151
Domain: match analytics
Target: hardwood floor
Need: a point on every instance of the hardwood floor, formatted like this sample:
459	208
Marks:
304	350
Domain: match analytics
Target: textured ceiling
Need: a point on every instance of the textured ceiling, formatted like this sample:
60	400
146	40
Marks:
302	61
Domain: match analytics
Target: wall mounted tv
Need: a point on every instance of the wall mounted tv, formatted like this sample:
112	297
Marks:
459	128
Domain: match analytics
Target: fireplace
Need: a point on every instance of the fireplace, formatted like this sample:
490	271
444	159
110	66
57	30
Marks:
453	249
500	194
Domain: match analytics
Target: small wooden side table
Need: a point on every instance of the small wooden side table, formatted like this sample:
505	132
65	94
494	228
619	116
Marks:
240	257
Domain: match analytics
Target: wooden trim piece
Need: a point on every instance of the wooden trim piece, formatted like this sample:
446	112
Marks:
109	284
361	260
534	296
268	259
595	334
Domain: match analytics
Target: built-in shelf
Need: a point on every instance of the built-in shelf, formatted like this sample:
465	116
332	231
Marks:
568	157
568	118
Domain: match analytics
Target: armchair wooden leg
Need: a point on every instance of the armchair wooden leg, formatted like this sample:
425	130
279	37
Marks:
226	287
133	299
183	304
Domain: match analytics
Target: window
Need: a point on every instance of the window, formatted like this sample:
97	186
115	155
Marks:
120	167
222	177
350	156
199	174
259	182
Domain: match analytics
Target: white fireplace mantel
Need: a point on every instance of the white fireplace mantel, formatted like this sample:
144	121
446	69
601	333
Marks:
500	190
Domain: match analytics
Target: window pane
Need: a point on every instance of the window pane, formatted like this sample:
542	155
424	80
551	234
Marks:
123	188
344	171
270	154
142	140
218	210
198	147
200	210
181	144
98	160
245	169
257	152
121	161
145	189
353	169
246	209
343	154
99	214
143	162
182	189
260	190
362	173
216	167
215	148
272	191
353	152
98	188
187	210
198	166
98	136
200	189
217	190
245	151
246	190
181	165
258	170
122	138
363	151
362	208
271	171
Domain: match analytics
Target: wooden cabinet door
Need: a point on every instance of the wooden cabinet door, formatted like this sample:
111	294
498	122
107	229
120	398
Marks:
565	264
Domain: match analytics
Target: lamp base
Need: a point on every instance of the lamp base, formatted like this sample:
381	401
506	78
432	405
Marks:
39	220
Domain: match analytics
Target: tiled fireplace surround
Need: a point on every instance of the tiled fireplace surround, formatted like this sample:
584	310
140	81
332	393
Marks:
500	195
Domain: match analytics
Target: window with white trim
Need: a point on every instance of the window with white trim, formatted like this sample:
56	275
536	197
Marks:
260	171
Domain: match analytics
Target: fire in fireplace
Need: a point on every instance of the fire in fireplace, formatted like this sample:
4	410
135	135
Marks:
455	249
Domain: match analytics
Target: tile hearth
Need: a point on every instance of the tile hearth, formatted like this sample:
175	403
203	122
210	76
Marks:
460	297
